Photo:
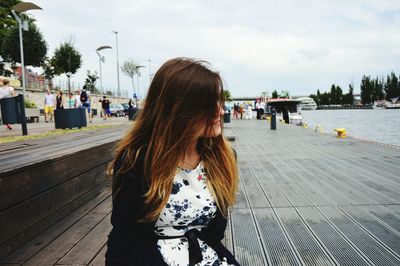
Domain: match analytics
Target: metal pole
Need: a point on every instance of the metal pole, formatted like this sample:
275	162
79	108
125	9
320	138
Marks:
116	40
21	45
101	82
149	72
138	89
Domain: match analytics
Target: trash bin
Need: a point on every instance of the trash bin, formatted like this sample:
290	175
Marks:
273	119
227	117
9	110
70	118
94	112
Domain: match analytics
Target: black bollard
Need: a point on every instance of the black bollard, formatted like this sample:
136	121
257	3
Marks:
273	119
21	114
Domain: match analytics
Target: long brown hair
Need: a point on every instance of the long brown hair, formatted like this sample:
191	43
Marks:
183	92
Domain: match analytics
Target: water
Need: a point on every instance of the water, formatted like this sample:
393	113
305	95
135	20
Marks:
381	125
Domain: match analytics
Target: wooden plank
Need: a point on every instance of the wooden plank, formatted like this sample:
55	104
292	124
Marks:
56	250
27	213
34	230
35	245
90	245
26	184
100	258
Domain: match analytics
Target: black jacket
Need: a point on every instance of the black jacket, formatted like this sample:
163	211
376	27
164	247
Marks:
134	243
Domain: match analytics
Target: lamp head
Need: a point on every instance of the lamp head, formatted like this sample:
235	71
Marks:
25	6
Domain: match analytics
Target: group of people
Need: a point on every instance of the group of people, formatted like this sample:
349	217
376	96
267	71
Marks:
6	91
240	109
80	100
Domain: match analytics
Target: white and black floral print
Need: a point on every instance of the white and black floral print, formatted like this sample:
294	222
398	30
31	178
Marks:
189	206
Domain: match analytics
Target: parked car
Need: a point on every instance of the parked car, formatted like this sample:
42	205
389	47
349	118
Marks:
117	109
126	108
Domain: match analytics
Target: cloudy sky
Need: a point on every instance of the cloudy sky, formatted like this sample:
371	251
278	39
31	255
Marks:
257	46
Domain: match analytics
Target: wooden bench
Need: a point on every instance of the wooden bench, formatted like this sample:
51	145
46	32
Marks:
43	181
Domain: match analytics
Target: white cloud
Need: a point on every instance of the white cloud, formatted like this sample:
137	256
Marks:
298	46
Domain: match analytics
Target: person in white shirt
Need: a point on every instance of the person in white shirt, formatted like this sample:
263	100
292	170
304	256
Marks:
49	105
78	103
6	91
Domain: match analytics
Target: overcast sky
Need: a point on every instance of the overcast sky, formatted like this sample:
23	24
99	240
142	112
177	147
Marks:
257	46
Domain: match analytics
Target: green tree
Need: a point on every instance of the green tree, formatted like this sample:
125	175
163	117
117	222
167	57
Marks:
227	96
325	98
348	98
66	59
391	87
131	69
90	81
7	21
35	47
366	89
275	94
285	94
48	71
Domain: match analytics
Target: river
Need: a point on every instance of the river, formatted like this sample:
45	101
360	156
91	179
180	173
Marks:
380	125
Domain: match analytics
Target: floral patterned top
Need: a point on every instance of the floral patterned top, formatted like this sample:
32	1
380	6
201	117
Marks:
189	206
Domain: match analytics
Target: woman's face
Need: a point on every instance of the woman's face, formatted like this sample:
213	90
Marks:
215	130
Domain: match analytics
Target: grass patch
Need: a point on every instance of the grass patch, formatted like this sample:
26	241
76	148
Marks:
54	132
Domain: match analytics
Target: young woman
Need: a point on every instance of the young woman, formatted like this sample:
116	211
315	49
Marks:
174	175
59	100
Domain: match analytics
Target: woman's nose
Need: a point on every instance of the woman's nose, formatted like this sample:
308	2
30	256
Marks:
221	110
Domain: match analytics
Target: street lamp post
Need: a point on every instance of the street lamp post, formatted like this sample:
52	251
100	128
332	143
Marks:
101	58
22	7
149	71
116	43
137	76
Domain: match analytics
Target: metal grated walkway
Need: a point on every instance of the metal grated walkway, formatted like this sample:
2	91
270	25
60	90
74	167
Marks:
312	199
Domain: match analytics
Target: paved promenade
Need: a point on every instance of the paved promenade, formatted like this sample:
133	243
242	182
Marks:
42	127
305	198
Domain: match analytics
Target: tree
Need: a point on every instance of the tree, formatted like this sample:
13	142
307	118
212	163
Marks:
48	71
35	47
348	98
285	94
131	69
318	97
366	89
227	96
7	21
90	81
275	94
392	89
66	59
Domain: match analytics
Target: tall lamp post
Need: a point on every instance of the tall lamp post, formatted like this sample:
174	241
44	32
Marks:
116	45
22	7
101	58
137	76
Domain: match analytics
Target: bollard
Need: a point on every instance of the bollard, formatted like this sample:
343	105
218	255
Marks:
273	119
21	113
341	132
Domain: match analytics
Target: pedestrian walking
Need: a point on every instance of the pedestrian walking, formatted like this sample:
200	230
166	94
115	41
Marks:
70	101
78	103
49	104
59	100
85	100
105	106
174	174
6	91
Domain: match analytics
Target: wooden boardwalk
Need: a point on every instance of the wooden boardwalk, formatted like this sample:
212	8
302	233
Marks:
305	199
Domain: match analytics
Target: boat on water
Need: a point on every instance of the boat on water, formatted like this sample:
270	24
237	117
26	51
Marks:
393	106
287	110
307	103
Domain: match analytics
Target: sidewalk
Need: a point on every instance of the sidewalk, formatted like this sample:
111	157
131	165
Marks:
42	127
